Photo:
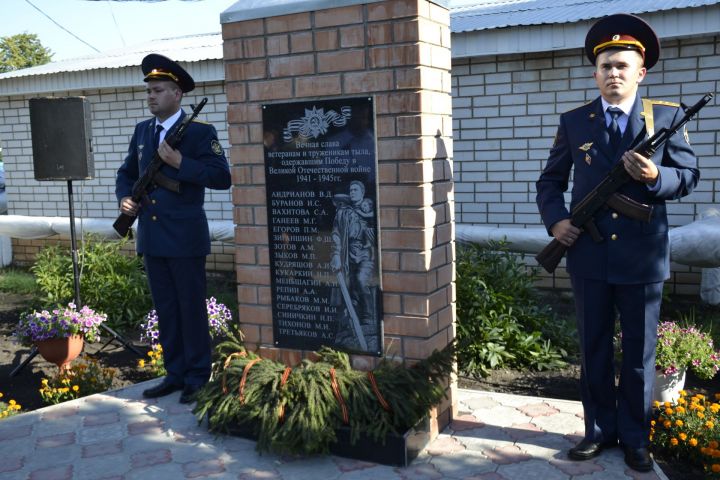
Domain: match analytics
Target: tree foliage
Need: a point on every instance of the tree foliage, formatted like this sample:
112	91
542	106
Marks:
22	51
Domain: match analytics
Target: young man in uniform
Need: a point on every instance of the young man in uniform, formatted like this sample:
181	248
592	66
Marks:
624	273
173	236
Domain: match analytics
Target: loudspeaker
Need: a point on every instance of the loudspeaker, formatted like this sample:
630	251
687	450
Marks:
61	138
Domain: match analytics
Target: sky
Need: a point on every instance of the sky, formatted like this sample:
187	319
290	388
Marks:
77	28
107	25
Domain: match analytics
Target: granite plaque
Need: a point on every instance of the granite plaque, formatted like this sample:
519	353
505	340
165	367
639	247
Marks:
321	183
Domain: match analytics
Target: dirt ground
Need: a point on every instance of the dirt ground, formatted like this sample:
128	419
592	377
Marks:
24	387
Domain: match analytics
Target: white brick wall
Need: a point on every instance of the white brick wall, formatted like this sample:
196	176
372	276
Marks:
114	116
506	111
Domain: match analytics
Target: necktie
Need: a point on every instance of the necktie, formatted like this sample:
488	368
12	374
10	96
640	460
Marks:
158	129
613	128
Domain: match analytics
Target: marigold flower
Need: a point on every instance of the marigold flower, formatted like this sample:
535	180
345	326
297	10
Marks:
141	363
75	388
667	424
693	442
679	423
680	409
674	441
668	411
683	436
700	415
710	425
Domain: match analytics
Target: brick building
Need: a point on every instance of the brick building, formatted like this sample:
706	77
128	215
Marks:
515	68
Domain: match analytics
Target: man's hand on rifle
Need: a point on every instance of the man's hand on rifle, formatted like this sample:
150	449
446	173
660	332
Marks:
128	207
565	232
169	155
640	168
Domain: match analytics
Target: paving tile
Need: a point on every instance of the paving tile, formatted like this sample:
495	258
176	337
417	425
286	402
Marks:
465	422
444	444
105	466
97	419
532	470
502	416
574	468
151	457
204	468
521	431
120	435
62	472
463	464
537	409
12	463
506	455
424	471
114	431
559	423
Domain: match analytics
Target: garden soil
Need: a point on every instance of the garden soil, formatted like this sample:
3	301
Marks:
23	388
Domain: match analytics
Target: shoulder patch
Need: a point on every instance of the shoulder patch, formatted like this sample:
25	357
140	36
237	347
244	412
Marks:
195	120
216	147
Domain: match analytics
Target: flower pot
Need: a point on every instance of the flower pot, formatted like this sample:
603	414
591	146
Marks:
61	351
667	387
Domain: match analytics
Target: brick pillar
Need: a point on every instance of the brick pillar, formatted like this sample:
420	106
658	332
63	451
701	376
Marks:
398	51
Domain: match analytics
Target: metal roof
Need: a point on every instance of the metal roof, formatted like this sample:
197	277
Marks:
190	48
492	14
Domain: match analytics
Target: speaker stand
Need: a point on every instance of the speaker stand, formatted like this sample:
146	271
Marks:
114	336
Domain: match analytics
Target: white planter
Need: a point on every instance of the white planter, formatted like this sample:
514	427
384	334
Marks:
667	387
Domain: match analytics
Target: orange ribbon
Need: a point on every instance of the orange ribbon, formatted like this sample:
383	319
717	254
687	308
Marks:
283	381
338	396
241	389
376	390
225	366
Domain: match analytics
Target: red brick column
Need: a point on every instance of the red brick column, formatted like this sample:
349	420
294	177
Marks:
398	51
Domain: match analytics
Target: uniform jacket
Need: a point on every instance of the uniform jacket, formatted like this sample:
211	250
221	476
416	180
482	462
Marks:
174	224
640	251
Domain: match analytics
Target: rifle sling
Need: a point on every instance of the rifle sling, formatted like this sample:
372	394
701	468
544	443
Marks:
166	182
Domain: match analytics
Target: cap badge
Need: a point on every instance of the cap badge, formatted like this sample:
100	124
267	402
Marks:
588	159
616	37
586	146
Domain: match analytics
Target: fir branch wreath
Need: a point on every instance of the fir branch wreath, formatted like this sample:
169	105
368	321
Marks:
297	410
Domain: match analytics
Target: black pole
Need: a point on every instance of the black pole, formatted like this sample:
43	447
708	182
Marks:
73	245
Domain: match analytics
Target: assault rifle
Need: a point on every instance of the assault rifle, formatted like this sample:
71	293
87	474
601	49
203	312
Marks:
153	176
605	194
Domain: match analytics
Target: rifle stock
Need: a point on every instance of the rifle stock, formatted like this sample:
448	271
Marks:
605	193
152	174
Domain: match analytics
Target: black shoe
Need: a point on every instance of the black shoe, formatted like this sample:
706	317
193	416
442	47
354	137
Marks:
587	449
638	458
165	388
189	393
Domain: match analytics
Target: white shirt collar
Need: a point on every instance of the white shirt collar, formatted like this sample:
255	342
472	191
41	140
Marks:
625	106
170	121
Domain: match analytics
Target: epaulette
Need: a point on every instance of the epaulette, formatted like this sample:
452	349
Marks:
663	102
647	112
195	120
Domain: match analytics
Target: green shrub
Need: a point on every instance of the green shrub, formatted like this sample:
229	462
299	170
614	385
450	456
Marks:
499	321
110	281
17	281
